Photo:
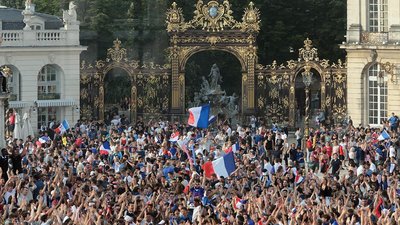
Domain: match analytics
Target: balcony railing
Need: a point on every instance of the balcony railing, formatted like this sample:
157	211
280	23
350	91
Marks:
48	96
377	38
21	38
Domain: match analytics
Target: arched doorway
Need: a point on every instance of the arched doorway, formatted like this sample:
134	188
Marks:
117	93
213	28
314	96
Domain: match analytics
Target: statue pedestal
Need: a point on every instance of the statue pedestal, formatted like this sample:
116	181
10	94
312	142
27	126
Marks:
3	98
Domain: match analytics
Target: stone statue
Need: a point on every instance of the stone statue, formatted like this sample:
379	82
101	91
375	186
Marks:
215	77
70	16
232	101
28	4
3	82
28	14
205	85
4	74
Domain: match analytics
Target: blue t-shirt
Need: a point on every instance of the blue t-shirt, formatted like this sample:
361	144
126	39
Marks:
197	192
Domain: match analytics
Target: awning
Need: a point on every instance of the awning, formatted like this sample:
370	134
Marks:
55	103
17	104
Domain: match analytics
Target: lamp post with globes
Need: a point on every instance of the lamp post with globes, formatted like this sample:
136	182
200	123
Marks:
307	79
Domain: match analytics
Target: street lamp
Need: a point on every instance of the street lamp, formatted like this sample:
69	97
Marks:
307	79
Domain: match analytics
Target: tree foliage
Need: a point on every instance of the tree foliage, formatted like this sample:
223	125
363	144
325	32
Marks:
140	24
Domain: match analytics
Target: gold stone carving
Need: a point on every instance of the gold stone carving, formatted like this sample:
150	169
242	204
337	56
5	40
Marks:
251	19
339	77
285	102
260	102
324	63
213	39
213	16
328	101
261	81
291	64
100	64
308	53
84	94
339	93
116	53
85	79
274	93
86	111
175	21
274	79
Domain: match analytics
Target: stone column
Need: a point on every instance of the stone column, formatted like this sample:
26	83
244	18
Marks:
3	98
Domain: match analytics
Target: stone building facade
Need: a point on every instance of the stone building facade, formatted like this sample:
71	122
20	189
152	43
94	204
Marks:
373	57
43	52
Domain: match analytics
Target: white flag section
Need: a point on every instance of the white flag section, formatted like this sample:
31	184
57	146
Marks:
224	166
384	135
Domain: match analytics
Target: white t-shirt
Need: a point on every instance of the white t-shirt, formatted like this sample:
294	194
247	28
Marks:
8	194
360	170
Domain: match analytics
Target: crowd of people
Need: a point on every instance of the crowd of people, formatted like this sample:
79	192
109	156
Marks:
338	175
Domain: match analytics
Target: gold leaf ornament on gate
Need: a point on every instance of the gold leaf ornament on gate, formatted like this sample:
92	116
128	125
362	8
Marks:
175	20
251	19
116	54
308	53
213	16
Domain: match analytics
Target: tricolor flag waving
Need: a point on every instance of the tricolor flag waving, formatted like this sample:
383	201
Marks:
223	166
239	203
199	116
384	135
105	148
174	137
234	148
64	126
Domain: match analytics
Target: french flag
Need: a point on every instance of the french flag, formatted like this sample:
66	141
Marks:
44	139
384	135
105	148
234	148
299	178
64	126
199	116
212	119
174	137
239	203
222	166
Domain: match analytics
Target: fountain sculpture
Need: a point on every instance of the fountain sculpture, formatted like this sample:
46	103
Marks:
211	92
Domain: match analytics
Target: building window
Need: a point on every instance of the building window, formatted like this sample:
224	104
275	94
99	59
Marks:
46	115
36	27
48	83
378	15
377	96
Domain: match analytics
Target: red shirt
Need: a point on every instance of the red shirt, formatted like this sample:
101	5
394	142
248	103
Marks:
11	119
328	150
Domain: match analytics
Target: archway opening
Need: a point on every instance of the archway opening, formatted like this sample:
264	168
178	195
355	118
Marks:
117	94
214	77
314	96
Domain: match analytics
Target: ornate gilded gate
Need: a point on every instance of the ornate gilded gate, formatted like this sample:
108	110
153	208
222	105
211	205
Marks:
213	28
268	91
150	85
276	86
